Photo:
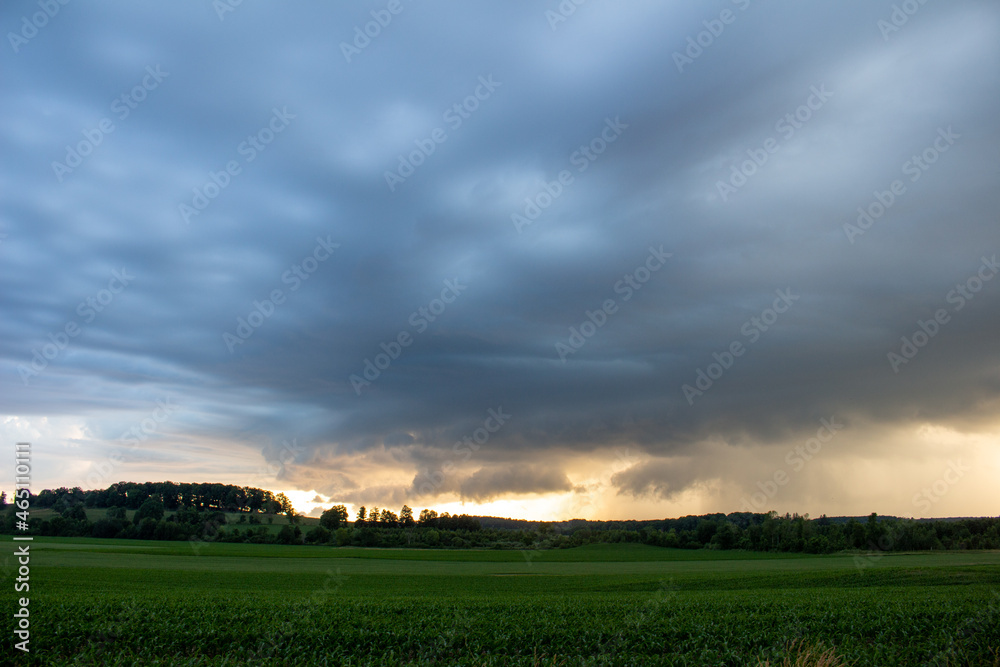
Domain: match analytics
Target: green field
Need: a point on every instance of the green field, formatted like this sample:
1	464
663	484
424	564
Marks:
130	602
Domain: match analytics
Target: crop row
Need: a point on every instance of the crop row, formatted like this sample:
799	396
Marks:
870	626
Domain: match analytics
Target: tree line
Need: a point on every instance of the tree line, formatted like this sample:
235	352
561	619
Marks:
168	511
202	497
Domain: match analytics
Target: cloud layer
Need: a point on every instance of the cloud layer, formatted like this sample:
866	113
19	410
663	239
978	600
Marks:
666	241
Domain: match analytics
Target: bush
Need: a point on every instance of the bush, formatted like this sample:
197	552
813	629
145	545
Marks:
289	534
147	528
106	528
151	508
318	535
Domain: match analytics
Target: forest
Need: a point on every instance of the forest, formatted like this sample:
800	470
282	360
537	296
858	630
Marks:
228	513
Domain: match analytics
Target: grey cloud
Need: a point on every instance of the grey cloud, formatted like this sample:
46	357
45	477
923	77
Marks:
661	479
516	479
324	175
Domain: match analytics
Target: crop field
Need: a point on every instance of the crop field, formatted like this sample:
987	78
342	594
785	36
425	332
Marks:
116	602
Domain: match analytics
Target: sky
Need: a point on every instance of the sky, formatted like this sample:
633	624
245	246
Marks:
531	259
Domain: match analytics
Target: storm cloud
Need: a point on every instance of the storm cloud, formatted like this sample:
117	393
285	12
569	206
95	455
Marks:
333	238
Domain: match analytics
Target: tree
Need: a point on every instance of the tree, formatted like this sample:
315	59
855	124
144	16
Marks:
46	498
3	499
388	518
361	516
271	504
255	499
289	534
406	516
855	534
318	535
726	536
60	505
373	515
334	517
284	504
427	517
147	528
76	512
152	508
706	530
134	496
875	534
231	500
106	528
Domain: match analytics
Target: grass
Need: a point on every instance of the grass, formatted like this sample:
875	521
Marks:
808	655
131	602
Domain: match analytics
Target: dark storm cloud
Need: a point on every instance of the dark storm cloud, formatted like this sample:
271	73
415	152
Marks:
534	99
517	479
